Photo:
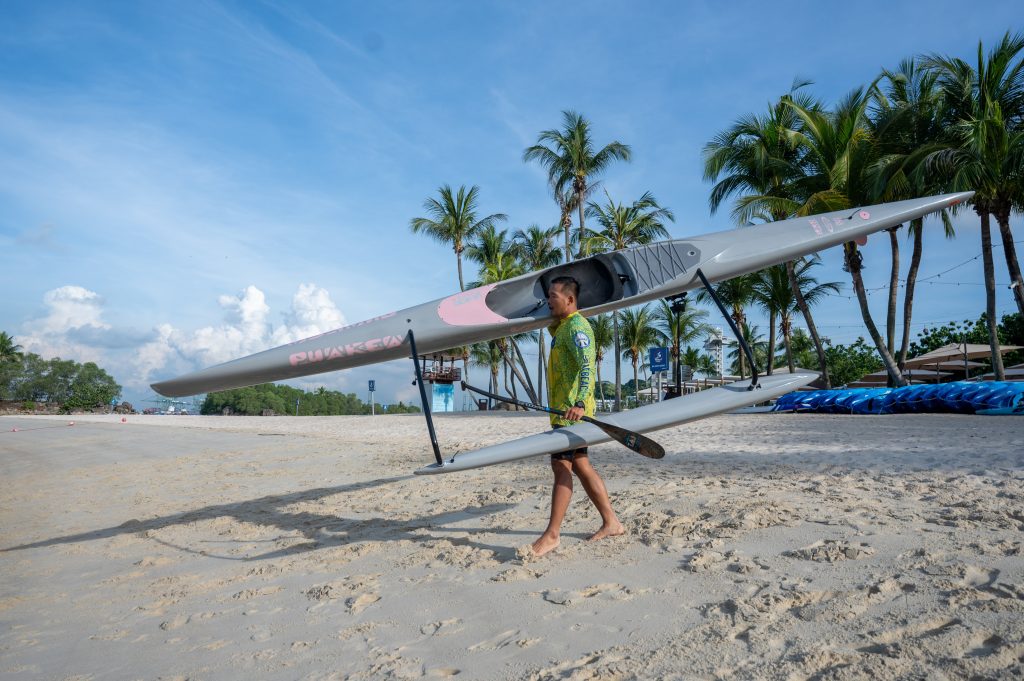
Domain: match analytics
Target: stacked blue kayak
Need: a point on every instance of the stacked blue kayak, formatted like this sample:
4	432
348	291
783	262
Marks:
959	397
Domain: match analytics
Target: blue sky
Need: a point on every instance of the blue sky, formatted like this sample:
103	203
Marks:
185	183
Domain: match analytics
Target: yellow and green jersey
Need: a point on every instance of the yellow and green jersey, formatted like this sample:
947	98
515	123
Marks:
572	366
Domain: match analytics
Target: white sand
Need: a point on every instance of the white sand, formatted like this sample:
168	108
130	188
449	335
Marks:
763	546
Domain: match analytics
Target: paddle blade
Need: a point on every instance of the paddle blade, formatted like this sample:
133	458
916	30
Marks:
641	444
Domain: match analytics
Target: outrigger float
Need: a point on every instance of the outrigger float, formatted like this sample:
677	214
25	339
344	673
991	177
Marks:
608	281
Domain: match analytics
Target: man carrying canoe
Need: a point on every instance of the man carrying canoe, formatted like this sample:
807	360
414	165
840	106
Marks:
571	370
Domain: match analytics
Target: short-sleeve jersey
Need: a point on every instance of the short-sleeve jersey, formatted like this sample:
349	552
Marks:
572	366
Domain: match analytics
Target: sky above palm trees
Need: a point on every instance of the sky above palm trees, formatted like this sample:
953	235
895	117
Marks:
185	183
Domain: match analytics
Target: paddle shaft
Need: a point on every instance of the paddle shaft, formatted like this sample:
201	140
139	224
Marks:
641	444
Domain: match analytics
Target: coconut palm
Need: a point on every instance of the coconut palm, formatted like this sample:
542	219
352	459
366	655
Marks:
453	220
638	334
570	159
773	293
9	350
503	265
758	348
759	160
736	294
907	122
537	250
687	326
839	148
489	356
623	226
984	151
604	337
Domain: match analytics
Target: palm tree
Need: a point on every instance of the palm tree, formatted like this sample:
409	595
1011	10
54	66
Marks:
687	326
487	355
638	334
537	250
907	122
604	337
736	293
984	151
503	264
839	149
759	160
622	227
453	220
9	350
772	291
758	348
571	160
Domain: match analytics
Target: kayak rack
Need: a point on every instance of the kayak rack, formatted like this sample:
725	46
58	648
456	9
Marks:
423	399
735	329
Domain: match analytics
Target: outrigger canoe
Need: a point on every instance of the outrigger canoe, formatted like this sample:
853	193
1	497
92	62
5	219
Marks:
609	281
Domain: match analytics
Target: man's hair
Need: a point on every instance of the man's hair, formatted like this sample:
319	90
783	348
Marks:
568	285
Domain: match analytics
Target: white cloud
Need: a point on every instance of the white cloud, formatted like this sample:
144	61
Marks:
167	351
69	309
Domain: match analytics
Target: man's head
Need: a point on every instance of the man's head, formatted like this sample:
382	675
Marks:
563	296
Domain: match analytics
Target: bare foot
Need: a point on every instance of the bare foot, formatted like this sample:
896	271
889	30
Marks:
608	530
545	545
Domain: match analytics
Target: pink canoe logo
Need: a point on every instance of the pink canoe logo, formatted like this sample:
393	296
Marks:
469	308
864	215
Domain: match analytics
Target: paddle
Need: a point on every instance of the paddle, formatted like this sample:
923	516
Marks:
640	444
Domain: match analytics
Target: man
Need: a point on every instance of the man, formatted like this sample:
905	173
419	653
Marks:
571	371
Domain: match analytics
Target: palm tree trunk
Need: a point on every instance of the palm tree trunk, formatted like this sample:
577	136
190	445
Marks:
917	227
854	265
805	310
516	373
618	363
458	257
526	372
771	344
787	330
894	281
636	385
741	356
990	295
579	205
600	385
1012	265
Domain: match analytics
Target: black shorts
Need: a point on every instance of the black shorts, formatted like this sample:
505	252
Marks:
568	454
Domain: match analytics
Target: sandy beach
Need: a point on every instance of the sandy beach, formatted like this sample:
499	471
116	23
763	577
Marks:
763	546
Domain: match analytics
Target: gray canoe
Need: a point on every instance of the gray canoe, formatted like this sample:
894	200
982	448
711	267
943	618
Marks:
609	281
642	420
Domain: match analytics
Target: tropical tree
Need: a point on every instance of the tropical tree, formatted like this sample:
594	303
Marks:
736	294
774	294
638	334
758	348
604	338
9	350
571	160
759	161
907	121
984	151
504	264
686	327
623	226
487	355
839	148
452	220
537	250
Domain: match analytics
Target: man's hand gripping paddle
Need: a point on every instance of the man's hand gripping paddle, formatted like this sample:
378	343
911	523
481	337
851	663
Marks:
641	444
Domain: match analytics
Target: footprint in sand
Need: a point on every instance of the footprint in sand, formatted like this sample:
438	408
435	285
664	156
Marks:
500	641
442	628
615	592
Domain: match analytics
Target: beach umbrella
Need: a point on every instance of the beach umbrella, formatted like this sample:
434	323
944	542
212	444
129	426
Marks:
956	352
